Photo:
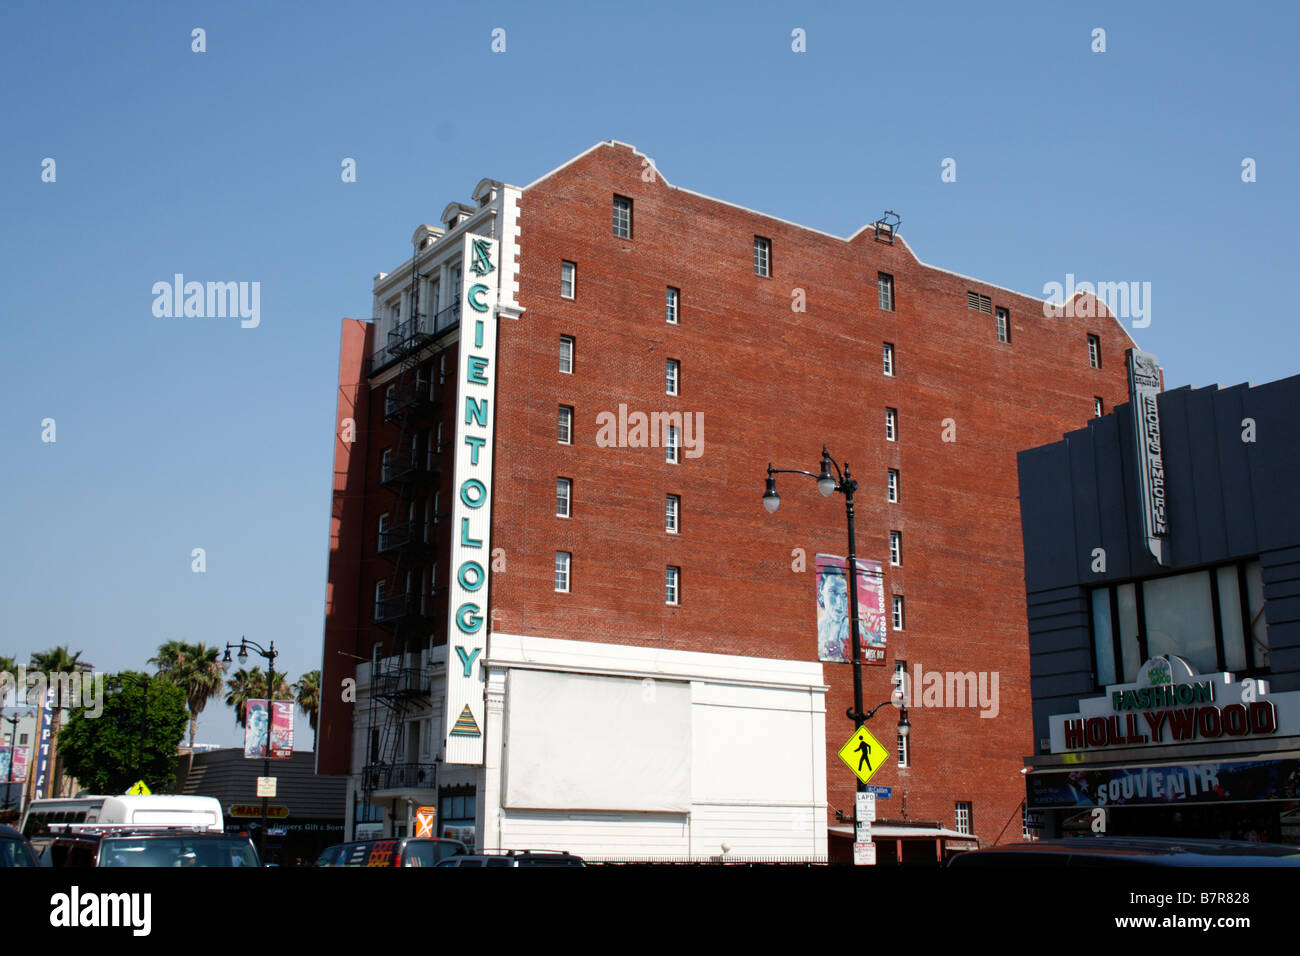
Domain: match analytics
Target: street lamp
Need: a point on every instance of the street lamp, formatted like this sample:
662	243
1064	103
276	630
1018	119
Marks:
268	654
827	483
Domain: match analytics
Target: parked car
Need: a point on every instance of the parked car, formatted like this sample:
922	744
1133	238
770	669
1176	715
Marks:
14	849
1130	851
393	851
98	845
516	858
143	810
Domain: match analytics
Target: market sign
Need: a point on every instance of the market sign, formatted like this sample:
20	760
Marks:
250	811
1143	388
471	515
1170	703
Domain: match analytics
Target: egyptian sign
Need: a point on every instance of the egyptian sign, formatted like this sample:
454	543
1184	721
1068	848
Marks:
1144	388
471	514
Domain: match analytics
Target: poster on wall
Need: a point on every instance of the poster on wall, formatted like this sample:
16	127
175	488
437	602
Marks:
833	643
13	764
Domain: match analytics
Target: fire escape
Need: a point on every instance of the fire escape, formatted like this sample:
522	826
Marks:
401	683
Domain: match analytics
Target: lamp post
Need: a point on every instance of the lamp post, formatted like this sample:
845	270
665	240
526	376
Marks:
827	483
269	654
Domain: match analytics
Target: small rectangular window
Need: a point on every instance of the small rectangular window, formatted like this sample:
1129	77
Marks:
889	358
562	560
622	217
671	305
762	257
898	612
380	587
568	277
672	585
964	821
563	495
1004	326
1098	408
566	425
566	354
896	548
893	485
891	424
1094	351
671	445
672	509
903	753
885	291
673	370
383	531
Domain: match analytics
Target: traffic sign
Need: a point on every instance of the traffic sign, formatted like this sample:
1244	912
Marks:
883	793
864	754
424	820
266	786
863	832
140	789
866	806
864	854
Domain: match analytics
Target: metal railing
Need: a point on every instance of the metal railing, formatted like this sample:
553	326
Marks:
400	776
410	335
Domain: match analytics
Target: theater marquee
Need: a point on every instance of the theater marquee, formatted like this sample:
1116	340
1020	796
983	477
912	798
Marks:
471	513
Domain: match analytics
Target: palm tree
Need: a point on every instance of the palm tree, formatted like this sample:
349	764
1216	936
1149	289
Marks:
248	685
57	660
8	665
195	669
307	690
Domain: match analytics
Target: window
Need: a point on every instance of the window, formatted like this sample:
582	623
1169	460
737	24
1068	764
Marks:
568	273
674	367
562	559
891	424
390	399
566	354
898	612
885	291
380	587
896	548
671	305
964	817
671	446
1004	326
1027	833
1214	618
980	303
672	589
385	464
383	531
904	755
889	358
672	508
1094	351
893	485
1098	407
622	217
566	425
563	492
762	257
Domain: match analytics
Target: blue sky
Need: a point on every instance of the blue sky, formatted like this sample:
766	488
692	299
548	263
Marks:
175	434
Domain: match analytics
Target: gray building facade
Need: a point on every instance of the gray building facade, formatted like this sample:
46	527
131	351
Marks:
1167	692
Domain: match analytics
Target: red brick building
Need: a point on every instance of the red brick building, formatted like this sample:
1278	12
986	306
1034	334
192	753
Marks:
615	288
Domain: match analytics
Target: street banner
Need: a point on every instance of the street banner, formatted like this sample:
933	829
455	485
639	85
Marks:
833	643
256	725
14	759
281	729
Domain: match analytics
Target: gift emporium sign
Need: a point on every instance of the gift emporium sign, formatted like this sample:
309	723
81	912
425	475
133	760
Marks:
471	514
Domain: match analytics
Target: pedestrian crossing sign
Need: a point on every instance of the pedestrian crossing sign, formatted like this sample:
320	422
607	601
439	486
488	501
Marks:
141	789
864	754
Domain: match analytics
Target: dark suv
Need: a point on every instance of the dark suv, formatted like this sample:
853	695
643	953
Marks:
394	851
517	858
133	846
14	849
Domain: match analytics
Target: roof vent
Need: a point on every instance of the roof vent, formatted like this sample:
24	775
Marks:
887	225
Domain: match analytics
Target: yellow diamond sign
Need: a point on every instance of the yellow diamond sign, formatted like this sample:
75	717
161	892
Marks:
140	789
864	754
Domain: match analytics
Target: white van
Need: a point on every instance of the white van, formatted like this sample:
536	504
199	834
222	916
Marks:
156	810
